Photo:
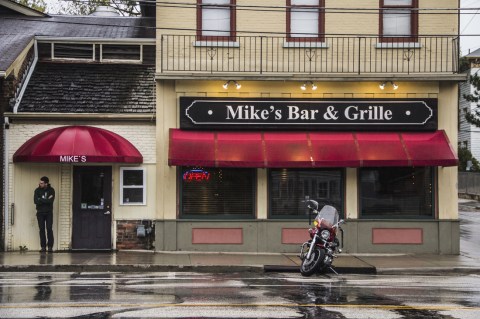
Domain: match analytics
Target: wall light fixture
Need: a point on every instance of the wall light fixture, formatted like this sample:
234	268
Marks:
303	87
383	84
237	85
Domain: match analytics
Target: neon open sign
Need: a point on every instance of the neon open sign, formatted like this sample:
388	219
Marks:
196	175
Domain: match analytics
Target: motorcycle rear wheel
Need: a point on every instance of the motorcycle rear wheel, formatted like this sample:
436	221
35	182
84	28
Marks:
314	263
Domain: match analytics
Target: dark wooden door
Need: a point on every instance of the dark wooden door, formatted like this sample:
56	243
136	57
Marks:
92	207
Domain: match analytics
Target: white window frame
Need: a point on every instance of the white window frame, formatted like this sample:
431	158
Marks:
143	187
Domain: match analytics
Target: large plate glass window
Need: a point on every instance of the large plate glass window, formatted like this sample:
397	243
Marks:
216	20
305	20
217	192
398	20
133	186
288	188
396	192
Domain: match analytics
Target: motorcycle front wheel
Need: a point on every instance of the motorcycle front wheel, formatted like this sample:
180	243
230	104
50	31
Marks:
311	265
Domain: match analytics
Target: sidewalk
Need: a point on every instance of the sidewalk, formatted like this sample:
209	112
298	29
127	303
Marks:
140	261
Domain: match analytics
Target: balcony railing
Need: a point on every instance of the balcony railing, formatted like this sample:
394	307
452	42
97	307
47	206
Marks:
261	55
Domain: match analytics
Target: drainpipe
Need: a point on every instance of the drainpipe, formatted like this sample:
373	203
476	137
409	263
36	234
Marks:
27	79
6	185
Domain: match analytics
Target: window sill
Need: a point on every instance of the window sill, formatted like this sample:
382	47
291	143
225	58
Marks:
294	45
218	44
133	204
398	45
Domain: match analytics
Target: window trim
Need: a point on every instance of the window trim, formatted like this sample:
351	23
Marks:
343	192
321	23
239	217
233	24
413	23
144	186
433	216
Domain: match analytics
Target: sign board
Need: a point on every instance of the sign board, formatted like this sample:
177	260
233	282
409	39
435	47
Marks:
309	114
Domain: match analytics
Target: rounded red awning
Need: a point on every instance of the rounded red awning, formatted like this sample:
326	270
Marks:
78	144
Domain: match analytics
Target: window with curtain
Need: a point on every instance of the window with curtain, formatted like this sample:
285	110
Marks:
396	192
217	192
398	20
305	20
216	20
288	188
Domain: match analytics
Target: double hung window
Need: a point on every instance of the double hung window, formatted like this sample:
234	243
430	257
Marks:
216	20
399	20
133	186
305	20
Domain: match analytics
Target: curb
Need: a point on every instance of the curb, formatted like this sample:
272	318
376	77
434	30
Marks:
340	270
130	268
434	271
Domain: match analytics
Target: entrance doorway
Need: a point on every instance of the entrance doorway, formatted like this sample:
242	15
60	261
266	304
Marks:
92	212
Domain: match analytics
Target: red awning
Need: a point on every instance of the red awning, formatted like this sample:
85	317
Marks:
78	144
309	149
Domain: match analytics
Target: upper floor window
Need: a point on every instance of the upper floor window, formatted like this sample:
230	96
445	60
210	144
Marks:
398	20
305	20
216	20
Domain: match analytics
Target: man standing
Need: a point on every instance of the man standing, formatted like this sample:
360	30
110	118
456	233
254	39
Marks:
43	198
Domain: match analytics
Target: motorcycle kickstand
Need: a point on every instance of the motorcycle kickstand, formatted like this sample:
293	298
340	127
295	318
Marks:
333	270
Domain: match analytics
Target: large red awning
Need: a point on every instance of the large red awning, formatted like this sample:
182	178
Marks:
78	144
309	149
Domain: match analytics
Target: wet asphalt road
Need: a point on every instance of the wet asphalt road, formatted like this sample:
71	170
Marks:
243	295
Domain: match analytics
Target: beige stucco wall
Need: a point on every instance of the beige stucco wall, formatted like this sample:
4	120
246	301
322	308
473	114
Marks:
23	179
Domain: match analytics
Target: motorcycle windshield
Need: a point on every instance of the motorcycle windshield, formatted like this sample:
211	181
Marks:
327	216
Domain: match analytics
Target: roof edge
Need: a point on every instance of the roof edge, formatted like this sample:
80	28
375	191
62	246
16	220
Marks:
82	116
95	39
20	8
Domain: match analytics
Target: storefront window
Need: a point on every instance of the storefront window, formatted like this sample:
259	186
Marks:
400	192
288	188
217	192
132	186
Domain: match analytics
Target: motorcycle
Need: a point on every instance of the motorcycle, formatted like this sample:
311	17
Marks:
317	254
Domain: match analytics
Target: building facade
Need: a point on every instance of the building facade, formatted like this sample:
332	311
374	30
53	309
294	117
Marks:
84	115
260	105
468	136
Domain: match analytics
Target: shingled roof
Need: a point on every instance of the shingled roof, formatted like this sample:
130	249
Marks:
17	31
90	88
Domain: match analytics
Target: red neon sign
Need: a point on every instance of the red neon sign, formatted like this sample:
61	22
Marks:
196	175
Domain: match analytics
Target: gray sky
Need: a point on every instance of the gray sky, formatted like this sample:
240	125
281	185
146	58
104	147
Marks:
469	24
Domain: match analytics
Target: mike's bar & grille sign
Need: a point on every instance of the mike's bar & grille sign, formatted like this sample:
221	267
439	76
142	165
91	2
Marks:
307	114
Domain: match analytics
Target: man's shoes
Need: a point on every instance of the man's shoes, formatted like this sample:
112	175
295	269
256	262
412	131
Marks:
50	249
43	250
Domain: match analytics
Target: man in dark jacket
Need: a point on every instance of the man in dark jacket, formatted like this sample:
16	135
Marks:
43	198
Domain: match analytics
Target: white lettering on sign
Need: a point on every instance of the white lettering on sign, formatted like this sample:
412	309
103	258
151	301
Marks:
294	113
73	159
374	112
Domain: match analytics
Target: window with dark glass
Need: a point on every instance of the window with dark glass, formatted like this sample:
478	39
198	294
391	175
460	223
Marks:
288	188
305	20
396	192
398	20
217	192
216	20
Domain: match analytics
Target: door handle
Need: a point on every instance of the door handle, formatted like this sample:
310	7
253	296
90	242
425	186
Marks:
107	213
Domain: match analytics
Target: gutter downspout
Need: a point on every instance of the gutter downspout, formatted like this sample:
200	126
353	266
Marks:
6	186
27	79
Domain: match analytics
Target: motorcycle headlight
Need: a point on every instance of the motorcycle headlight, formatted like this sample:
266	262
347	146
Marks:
325	234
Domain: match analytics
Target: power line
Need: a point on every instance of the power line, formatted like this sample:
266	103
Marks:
260	8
